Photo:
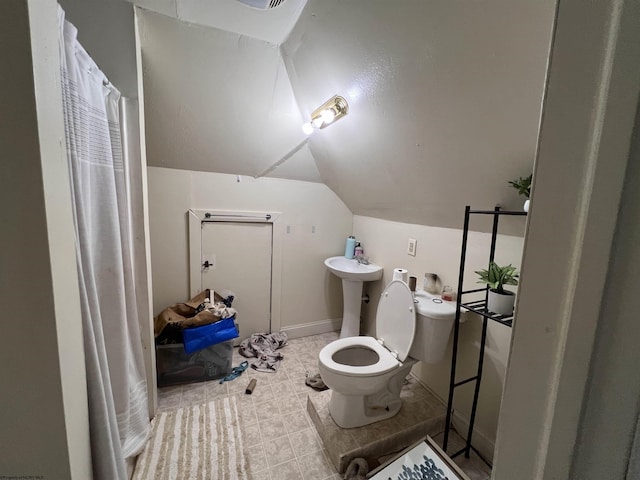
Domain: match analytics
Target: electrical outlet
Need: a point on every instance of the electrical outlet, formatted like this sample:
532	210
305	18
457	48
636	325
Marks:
411	249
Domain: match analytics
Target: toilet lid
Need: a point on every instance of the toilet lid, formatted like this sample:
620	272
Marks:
396	318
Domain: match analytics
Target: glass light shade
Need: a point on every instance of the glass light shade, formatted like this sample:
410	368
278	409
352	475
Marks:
329	112
328	115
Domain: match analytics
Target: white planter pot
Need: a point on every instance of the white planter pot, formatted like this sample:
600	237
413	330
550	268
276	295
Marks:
526	206
501	304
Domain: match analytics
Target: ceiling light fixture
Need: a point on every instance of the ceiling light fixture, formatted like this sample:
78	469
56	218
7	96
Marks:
327	113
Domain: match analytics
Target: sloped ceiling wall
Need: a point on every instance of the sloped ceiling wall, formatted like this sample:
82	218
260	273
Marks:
444	98
217	101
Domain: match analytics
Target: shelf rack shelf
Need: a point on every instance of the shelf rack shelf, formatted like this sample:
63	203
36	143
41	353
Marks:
479	307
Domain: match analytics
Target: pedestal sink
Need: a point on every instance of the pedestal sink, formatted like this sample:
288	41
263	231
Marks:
353	275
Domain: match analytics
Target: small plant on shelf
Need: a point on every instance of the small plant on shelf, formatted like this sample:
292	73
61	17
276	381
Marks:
500	301
523	185
496	277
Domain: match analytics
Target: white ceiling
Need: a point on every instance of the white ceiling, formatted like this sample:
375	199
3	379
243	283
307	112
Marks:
272	25
444	98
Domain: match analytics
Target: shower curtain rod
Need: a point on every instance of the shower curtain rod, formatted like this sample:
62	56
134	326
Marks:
210	216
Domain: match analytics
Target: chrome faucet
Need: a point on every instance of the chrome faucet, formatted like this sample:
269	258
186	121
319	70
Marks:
362	260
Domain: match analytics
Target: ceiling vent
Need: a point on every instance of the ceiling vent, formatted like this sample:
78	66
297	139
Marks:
262	4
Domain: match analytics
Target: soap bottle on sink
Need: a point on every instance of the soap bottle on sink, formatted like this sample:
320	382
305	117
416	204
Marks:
350	249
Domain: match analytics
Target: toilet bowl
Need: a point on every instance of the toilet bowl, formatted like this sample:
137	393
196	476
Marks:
365	374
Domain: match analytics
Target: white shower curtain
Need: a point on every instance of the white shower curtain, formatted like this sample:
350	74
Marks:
118	411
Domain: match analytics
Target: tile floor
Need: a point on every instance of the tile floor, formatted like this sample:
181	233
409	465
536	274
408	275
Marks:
280	440
473	466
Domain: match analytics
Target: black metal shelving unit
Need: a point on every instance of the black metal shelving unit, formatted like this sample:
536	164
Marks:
479	307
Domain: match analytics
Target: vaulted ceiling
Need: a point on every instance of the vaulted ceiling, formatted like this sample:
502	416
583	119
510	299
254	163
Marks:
444	97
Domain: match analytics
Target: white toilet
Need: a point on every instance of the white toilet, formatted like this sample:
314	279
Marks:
366	374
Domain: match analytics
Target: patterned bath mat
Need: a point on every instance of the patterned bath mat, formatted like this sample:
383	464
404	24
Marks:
197	442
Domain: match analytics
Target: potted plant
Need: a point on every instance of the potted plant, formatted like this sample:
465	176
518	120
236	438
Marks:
523	185
499	301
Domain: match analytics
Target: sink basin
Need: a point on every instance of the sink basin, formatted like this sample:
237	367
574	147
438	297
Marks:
351	270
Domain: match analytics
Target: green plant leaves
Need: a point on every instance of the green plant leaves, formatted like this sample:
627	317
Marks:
523	185
496	276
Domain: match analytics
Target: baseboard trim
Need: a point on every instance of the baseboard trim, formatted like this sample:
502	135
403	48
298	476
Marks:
480	441
428	388
312	328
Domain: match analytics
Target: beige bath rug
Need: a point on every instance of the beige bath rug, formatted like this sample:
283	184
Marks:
197	442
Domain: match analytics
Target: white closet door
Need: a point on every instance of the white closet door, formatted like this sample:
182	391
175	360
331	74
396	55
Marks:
240	259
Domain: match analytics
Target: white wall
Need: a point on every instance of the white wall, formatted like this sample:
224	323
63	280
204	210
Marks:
308	292
43	405
438	251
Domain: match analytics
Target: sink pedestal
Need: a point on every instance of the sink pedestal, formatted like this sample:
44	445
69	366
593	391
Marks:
353	274
352	299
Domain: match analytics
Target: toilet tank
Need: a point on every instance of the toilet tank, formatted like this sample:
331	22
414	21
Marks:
434	322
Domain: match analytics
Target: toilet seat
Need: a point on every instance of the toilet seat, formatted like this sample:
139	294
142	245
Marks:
396	327
396	319
386	361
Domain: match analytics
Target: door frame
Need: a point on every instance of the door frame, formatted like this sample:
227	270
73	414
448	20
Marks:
196	217
584	143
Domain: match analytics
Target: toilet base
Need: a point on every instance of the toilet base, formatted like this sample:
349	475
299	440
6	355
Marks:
351	411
